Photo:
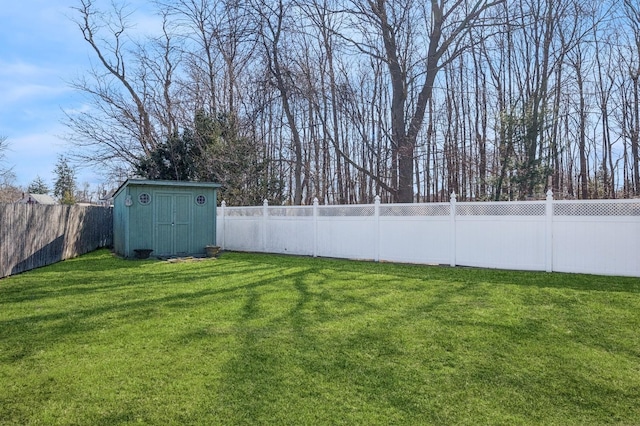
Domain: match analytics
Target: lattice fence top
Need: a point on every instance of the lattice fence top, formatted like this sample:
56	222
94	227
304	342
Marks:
597	209
560	208
415	210
290	211
353	210
243	211
486	209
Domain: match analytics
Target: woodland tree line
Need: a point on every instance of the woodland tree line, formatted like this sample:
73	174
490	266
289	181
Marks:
344	99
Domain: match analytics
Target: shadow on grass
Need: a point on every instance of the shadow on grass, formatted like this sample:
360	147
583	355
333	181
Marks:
101	272
469	275
51	305
329	348
370	367
327	341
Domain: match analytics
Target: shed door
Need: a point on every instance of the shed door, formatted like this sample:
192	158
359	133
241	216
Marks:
173	223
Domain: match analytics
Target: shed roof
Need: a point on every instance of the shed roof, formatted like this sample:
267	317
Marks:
178	183
37	198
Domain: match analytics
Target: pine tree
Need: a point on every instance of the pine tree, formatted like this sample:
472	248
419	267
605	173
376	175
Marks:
38	186
65	185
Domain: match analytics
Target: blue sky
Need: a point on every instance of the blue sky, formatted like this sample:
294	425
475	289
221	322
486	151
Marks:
41	50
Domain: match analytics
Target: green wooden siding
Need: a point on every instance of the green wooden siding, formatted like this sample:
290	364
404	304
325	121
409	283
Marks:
140	220
119	226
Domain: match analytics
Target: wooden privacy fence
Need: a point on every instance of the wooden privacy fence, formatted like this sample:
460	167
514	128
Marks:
588	236
37	235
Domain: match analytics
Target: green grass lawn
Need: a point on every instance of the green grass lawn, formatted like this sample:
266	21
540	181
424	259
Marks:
264	339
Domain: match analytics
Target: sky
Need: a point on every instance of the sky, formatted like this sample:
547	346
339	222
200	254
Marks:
41	51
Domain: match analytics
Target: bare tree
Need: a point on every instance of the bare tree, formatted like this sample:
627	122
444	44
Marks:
9	192
632	13
347	99
4	170
119	128
273	21
443	27
605	83
112	58
159	60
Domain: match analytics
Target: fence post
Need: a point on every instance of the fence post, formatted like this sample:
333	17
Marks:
549	232
223	205
376	212
265	215
315	227
452	224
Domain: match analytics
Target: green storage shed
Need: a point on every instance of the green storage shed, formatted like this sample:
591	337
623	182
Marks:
172	218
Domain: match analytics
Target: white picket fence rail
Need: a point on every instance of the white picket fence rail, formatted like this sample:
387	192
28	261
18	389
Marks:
586	236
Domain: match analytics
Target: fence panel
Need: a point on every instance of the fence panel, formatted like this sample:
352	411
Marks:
32	236
290	230
595	236
244	224
290	236
415	233
246	234
499	242
346	237
501	235
346	232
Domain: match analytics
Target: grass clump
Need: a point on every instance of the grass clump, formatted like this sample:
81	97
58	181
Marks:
264	339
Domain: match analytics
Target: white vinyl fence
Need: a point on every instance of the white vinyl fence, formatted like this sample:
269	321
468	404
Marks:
594	236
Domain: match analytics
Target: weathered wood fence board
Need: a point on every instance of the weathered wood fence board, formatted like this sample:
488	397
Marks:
32	236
